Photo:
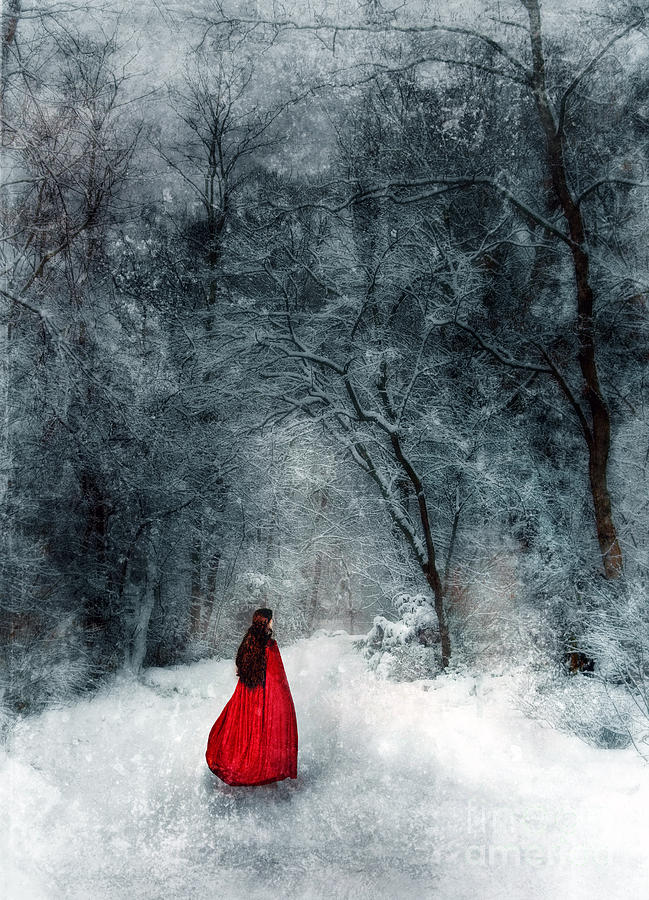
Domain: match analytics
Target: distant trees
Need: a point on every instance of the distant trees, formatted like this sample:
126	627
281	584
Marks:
372	431
64	163
562	191
351	344
220	130
215	132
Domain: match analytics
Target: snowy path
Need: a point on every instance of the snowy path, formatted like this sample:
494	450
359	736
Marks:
422	790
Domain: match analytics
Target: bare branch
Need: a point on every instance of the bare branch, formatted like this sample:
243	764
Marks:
601	181
387	190
382	29
502	356
590	66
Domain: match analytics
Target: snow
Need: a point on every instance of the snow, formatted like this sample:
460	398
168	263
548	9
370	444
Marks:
438	788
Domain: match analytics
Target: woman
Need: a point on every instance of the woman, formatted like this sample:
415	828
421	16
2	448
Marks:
254	740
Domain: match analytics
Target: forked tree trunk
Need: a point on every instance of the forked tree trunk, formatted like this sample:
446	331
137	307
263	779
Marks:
598	430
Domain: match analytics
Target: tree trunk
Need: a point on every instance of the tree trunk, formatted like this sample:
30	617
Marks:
9	20
600	426
317	577
147	602
433	579
9	23
210	599
606	534
430	566
317	569
196	600
425	558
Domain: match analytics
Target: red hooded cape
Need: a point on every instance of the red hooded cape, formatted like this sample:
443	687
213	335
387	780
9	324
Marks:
254	740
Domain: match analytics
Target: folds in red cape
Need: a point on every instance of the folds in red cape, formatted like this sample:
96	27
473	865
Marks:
254	740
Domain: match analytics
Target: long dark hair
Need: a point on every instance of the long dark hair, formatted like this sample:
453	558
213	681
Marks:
251	655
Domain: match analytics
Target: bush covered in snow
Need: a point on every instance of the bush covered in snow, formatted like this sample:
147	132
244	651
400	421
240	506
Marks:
600	714
489	632
408	648
608	707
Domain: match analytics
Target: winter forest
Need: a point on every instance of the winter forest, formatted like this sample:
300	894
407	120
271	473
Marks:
341	309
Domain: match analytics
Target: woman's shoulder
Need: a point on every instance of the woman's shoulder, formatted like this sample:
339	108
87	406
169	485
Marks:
272	642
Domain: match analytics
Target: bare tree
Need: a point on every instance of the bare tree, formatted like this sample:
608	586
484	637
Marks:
224	129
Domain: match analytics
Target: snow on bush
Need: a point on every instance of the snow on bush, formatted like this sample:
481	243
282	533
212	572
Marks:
407	649
584	705
616	636
491	631
608	707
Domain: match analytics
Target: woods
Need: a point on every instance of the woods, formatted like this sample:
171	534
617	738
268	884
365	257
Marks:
319	312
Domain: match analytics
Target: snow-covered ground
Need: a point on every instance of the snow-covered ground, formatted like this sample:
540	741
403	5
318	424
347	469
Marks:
430	789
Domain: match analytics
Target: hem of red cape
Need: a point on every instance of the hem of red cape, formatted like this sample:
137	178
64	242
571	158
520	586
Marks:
251	783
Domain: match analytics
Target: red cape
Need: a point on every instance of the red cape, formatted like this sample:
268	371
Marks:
254	740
